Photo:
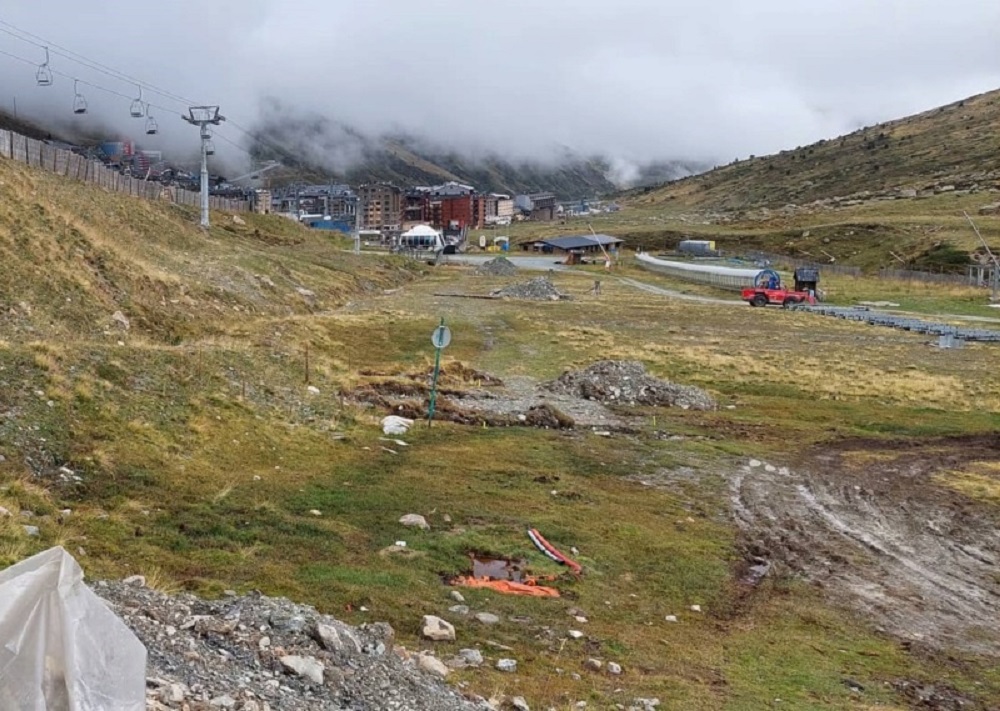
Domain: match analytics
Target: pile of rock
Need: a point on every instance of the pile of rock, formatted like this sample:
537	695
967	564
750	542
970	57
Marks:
256	653
538	289
501	266
627	382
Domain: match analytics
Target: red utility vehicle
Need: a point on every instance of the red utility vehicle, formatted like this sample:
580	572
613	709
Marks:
767	288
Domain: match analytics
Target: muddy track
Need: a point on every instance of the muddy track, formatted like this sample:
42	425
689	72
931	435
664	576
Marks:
882	535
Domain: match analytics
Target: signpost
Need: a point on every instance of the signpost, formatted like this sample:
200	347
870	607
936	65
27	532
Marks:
440	340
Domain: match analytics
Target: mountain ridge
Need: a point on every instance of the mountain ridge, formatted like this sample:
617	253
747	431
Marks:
955	143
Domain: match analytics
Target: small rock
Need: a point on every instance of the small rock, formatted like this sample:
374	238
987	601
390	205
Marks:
138	581
593	664
308	667
334	640
487	618
518	703
671	618
507	665
576	634
313	389
696	608
4	512
436	629
263	643
455	594
581	619
223	702
432	665
415	520
32	530
614	668
315	512
121	319
173	693
459	609
472	657
755	463
646	704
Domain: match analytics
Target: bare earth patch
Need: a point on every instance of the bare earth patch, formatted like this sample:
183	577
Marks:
871	522
575	399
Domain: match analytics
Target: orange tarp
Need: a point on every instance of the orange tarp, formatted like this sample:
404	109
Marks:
530	587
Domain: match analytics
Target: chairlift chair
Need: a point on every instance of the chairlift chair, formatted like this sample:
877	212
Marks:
152	128
43	77
79	102
138	107
209	148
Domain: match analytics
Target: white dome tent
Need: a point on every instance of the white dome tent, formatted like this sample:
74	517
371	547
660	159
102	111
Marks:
423	238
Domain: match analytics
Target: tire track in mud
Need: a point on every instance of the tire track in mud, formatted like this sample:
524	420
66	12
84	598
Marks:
918	559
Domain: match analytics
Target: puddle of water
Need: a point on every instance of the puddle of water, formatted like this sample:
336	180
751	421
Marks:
498	569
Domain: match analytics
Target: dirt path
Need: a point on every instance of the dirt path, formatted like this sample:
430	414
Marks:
883	536
650	288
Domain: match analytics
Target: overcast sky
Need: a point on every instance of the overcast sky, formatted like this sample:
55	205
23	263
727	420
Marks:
633	79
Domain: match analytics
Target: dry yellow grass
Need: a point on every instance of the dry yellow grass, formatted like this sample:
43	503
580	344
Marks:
977	480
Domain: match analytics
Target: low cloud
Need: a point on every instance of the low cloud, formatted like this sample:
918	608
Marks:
638	81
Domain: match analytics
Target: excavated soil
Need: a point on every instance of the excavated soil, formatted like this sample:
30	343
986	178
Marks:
868	521
575	399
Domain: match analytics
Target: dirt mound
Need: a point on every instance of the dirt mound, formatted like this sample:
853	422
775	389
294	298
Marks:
619	381
256	653
501	266
538	289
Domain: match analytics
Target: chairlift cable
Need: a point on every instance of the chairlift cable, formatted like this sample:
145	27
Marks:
69	54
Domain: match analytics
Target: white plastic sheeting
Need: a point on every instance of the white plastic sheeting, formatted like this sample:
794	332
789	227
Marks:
714	274
61	647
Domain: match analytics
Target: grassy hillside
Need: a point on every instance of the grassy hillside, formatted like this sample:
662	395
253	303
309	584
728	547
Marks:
74	255
955	144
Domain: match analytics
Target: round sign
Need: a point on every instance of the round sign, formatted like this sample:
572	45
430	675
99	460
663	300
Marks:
441	337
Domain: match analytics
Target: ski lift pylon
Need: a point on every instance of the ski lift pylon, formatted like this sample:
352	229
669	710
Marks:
151	126
79	102
43	77
138	107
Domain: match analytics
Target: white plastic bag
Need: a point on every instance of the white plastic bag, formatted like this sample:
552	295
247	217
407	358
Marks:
61	647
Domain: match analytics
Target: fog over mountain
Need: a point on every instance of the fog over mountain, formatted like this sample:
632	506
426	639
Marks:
634	81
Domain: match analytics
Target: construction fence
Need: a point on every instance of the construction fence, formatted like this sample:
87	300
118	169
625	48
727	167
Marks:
39	154
974	276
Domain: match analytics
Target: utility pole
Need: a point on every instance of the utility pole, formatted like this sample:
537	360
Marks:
203	117
357	222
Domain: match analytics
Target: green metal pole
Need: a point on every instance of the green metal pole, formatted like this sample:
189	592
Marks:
434	382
